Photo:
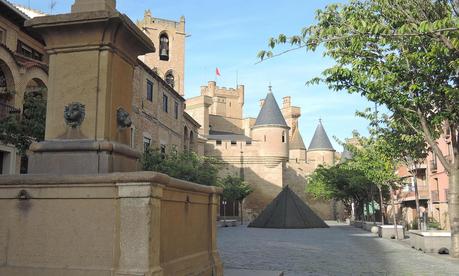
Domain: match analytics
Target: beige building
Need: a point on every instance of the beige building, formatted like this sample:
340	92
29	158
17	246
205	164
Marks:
158	117
169	59
23	69
267	151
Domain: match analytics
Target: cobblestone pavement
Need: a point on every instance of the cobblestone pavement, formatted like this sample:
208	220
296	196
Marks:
338	250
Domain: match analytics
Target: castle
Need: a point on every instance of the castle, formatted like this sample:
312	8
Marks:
268	152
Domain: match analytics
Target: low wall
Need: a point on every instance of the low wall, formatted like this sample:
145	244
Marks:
430	241
141	223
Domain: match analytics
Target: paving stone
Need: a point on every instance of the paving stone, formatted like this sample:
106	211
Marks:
338	250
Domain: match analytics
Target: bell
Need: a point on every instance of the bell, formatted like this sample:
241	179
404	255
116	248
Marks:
164	52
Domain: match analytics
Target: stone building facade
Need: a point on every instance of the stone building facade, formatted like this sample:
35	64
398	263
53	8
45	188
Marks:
23	69
158	117
268	151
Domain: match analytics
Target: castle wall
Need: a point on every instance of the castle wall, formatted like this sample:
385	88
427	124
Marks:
318	157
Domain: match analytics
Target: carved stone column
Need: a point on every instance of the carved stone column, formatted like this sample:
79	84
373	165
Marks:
92	55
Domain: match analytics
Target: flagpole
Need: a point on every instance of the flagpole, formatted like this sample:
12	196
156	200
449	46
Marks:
237	78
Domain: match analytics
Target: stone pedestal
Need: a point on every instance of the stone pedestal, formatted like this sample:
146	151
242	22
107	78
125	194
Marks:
92	55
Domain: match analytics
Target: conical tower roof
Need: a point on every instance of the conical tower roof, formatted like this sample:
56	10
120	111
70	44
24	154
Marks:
297	141
270	113
320	139
288	211
346	155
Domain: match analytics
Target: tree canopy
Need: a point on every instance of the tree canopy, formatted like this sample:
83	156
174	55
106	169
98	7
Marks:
185	165
29	127
400	54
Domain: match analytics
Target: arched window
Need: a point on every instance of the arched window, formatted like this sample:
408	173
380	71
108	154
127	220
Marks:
164	47
191	140
283	137
170	79
185	138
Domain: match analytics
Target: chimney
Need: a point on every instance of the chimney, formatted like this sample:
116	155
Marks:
286	102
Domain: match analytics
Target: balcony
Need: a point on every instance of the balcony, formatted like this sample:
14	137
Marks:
8	110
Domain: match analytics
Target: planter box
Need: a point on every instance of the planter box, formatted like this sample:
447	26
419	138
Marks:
368	225
430	241
388	231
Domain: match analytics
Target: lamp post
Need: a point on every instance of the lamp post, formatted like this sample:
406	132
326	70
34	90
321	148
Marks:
224	212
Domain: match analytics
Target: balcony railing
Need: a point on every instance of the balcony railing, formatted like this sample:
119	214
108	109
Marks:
8	110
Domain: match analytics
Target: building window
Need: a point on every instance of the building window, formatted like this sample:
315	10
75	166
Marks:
149	90
248	142
164	47
176	110
265	138
170	79
2	36
146	143
28	51
283	137
163	151
165	103
233	143
219	142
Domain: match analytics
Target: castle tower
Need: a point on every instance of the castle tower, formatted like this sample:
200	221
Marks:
271	131
297	147
169	60
321	151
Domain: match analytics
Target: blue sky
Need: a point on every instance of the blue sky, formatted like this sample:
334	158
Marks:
229	34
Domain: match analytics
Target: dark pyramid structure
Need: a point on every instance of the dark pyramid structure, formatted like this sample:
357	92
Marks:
288	211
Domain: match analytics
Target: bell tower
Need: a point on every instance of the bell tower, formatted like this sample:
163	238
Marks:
169	60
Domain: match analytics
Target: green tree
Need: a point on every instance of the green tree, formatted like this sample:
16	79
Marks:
235	189
22	130
185	165
400	54
341	183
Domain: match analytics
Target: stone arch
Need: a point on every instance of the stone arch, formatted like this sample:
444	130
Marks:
10	70
35	79
171	78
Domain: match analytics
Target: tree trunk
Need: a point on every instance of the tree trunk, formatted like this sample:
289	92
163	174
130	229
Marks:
453	210
416	197
381	205
395	214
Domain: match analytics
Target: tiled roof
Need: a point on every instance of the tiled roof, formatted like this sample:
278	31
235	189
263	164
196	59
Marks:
297	141
320	139
270	113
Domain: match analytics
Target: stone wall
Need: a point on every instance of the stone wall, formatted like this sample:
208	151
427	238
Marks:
141	223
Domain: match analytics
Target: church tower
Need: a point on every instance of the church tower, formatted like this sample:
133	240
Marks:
321	151
169	59
270	131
